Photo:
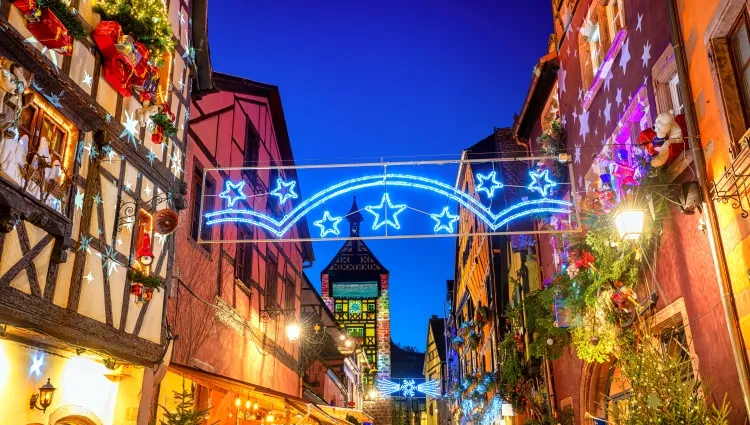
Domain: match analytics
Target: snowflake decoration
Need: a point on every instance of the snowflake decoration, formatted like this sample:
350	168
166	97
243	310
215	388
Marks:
161	238
409	388
78	201
148	190
107	149
151	156
108	260
640	22
646	54
176	167
85	243
87	79
129	186
129	222
89	277
625	56
98	199
131	128
108	117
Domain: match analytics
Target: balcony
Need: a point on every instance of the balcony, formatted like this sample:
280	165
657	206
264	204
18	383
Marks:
732	187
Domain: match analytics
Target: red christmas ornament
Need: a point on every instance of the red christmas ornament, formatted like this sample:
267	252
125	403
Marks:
136	289
126	67
148	293
51	33
585	260
646	140
144	255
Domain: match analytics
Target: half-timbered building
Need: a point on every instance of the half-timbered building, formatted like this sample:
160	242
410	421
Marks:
87	180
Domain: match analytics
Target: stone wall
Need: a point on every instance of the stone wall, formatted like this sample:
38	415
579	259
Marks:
380	410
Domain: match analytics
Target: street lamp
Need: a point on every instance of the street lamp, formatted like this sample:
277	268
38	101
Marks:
292	331
629	223
44	398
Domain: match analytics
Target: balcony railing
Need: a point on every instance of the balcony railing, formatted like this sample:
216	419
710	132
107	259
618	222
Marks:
733	186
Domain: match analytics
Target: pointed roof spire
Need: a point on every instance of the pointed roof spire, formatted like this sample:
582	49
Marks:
354	217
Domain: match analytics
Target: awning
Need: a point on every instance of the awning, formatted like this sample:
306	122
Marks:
271	400
342	413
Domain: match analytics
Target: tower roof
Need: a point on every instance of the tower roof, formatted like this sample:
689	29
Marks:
354	216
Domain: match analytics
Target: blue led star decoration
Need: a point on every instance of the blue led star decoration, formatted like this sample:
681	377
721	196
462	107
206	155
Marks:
284	191
541	182
387	208
444	221
494	184
233	192
328	224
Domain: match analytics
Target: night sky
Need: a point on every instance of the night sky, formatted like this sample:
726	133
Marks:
396	79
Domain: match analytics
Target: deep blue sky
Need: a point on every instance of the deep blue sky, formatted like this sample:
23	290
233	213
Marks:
392	78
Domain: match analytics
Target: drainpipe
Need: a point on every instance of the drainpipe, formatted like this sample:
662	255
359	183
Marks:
712	222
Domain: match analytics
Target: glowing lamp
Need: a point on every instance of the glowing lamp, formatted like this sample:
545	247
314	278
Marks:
247	404
373	394
255	406
44	398
144	254
507	409
269	418
292	332
237	402
629	223
348	343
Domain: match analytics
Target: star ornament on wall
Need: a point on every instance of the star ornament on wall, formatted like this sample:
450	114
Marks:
494	184
284	191
444	221
233	192
382	212
328	224
541	182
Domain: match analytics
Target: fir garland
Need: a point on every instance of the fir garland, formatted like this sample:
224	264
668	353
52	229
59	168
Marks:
146	20
164	121
67	16
149	281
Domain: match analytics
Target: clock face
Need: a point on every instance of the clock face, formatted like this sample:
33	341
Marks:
355	307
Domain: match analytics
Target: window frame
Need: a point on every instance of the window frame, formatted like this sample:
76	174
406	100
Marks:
744	89
243	265
271	290
290	293
199	191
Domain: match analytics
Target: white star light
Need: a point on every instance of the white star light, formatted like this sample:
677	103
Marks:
625	56
87	79
235	188
482	179
108	260
148	190
444	221
580	181
182	18
79	199
129	186
161	238
284	191
176	167
640	22
131	128
561	74
607	79
575	114
36	365
119	241
89	277
646	54
577	159
618	98
387	207
328	224
584	119
607	111
580	95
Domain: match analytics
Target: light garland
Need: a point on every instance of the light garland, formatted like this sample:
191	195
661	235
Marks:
147	20
409	387
493	221
431	388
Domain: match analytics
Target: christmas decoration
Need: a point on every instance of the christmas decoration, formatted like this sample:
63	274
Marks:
51	33
145	20
163	124
185	412
482	316
126	61
53	23
145	255
166	221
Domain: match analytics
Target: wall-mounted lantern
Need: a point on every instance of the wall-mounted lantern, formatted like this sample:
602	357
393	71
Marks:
44	398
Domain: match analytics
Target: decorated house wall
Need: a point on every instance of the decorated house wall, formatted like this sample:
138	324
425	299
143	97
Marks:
226	129
721	124
596	121
84	238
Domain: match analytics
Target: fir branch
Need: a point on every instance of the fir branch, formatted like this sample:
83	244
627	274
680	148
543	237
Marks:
146	20
164	121
67	16
149	281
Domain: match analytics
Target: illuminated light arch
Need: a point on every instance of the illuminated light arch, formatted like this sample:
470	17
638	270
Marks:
283	225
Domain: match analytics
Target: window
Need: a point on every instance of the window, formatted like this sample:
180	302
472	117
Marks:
598	33
244	261
740	47
272	281
675	343
198	193
51	138
252	145
290	293
675	91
